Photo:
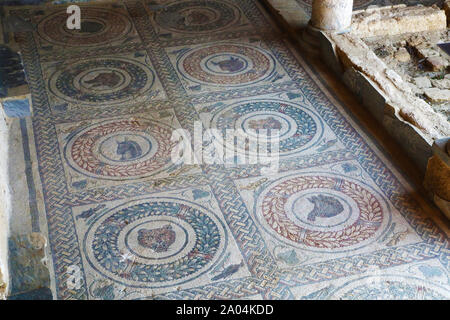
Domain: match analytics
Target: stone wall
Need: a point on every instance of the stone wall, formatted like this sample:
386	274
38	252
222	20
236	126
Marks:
4	195
23	244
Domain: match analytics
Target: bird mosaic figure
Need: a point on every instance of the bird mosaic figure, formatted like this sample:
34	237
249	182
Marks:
230	65
254	185
228	271
90	212
108	79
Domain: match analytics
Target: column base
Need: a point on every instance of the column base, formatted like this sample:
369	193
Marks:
309	40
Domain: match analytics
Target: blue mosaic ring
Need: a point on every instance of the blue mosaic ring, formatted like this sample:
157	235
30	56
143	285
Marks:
155	243
299	127
103	80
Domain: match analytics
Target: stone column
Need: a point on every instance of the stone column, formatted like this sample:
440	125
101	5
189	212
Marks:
327	15
332	15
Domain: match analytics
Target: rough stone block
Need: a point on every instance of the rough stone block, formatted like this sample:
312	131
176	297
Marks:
26	256
2	287
408	136
17	108
437	95
367	92
424	53
393	21
422	82
442	83
437	177
329	55
447	10
402	55
436	63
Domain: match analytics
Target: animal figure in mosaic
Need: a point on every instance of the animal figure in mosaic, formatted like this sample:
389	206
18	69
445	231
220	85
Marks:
324	207
107	79
321	294
254	185
90	212
128	150
397	237
232	64
268	123
105	292
430	271
288	257
194	18
393	237
182	169
228	271
90	27
324	145
159	240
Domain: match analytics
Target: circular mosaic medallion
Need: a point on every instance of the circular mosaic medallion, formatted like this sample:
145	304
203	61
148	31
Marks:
197	16
98	27
155	242
226	65
121	149
390	287
322	212
298	127
357	4
102	81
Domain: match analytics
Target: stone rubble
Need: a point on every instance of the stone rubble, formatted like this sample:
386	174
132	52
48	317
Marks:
436	63
354	53
402	55
437	95
422	82
446	7
428	67
2	287
441	83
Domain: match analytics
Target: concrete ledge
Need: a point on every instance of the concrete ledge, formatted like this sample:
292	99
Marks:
412	141
366	91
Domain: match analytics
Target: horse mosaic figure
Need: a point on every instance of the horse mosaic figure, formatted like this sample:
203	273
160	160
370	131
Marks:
128	150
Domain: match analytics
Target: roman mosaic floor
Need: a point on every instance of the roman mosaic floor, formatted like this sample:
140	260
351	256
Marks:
337	221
